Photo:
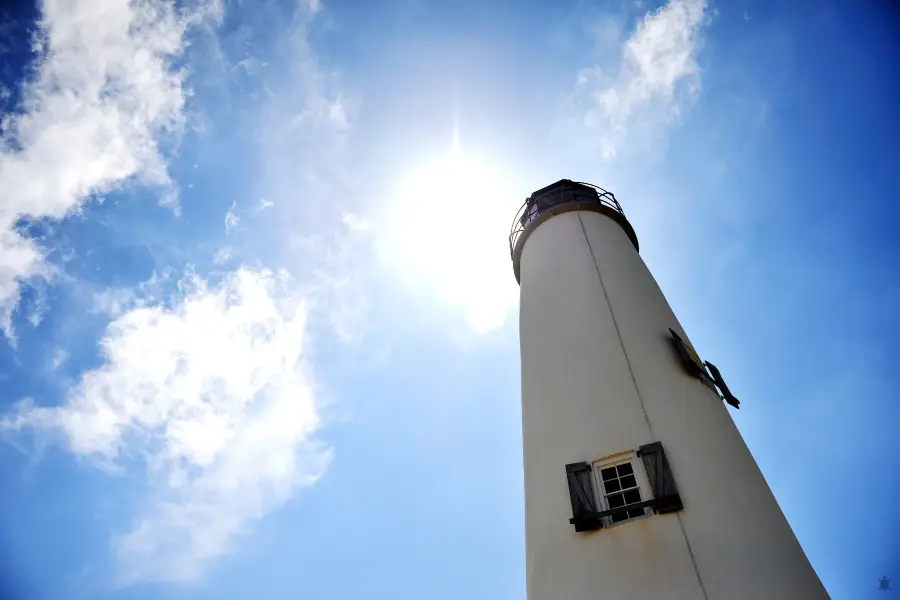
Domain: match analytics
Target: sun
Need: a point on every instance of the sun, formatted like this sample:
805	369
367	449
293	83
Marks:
447	232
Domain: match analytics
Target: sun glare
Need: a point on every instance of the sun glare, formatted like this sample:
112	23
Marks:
447	231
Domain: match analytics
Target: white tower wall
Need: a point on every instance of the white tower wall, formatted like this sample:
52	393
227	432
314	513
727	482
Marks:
600	377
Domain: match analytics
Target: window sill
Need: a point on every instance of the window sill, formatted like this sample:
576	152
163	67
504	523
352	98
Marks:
595	520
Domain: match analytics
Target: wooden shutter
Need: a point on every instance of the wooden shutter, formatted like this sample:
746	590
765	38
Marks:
660	475
689	358
720	381
581	493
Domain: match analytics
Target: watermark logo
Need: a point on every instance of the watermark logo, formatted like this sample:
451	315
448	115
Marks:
884	584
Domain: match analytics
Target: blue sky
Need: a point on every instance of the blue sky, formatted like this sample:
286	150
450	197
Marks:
260	321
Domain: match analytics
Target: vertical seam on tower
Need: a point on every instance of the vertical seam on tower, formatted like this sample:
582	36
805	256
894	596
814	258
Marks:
690	550
637	390
616	325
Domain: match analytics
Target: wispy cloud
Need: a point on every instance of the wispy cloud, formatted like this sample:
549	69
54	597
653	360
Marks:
335	278
231	219
59	357
657	77
223	255
308	117
105	90
212	395
312	6
322	110
115	302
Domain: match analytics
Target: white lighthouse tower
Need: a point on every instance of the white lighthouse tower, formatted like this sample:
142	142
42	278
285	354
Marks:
638	485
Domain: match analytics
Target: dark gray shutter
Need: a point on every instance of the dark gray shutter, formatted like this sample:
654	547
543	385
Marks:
726	393
581	493
689	358
660	475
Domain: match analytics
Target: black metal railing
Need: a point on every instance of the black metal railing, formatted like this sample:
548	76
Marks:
559	193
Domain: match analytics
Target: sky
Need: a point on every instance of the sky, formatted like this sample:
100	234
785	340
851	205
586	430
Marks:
259	321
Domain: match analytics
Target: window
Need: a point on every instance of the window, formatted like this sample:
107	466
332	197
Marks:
622	488
617	484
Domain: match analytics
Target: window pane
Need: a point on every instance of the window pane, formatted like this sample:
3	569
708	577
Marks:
628	482
615	501
620	488
611	486
632	496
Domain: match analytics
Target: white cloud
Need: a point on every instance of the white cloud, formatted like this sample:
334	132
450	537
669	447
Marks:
658	75
213	396
207	393
231	219
105	90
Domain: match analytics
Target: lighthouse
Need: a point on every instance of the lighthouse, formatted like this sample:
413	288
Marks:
638	485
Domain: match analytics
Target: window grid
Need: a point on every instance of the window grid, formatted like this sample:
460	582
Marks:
620	488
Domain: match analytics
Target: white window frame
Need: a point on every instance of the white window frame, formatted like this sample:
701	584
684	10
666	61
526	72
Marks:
640	477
